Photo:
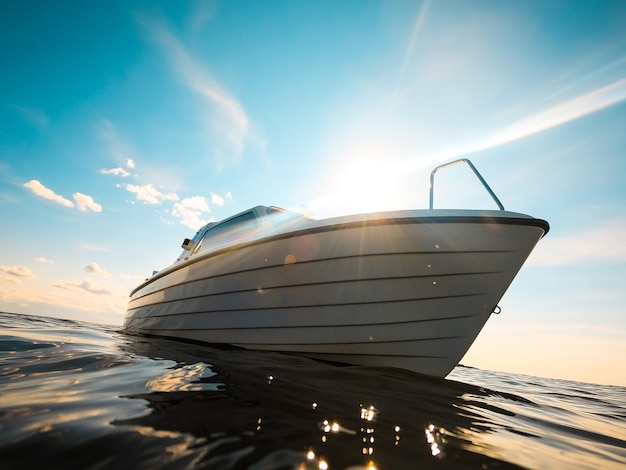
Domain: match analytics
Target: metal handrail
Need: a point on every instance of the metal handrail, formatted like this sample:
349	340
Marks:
478	175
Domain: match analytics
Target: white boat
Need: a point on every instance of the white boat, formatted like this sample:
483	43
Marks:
409	289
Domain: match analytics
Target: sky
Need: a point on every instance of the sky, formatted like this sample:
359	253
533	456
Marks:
125	125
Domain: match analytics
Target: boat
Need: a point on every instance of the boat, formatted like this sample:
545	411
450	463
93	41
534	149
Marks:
410	289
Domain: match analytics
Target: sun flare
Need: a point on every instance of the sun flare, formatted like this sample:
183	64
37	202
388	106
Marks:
366	185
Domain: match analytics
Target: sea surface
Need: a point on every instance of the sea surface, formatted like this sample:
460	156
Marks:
86	396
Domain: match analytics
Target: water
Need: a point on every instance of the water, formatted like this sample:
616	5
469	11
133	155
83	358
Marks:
78	395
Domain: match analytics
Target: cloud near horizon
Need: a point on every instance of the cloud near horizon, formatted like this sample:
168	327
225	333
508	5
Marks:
85	285
20	271
94	268
602	243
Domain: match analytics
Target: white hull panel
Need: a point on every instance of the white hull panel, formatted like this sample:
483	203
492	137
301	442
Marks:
396	292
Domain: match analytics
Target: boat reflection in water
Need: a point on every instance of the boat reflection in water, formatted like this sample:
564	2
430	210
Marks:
247	409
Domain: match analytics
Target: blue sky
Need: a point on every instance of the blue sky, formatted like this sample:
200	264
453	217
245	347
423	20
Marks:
124	125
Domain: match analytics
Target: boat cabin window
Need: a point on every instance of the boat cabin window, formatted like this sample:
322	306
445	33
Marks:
228	232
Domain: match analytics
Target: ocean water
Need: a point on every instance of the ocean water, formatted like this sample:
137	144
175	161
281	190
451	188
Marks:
79	395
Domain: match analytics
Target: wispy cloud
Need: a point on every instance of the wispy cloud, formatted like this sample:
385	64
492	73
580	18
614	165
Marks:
417	28
91	247
596	100
201	14
562	113
85	285
150	195
229	121
119	171
43	260
20	271
117	147
190	211
33	116
606	243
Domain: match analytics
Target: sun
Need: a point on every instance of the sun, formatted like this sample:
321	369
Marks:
366	184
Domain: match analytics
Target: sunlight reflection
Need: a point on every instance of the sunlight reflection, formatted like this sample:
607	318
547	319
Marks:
54	421
368	414
186	378
368	438
435	437
159	433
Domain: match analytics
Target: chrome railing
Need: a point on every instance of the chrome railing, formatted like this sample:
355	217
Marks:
478	175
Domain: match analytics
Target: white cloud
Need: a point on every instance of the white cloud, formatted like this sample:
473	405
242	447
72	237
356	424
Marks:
85	202
130	163
43	260
119	171
150	195
85	285
190	211
217	200
21	271
94	268
605	242
40	190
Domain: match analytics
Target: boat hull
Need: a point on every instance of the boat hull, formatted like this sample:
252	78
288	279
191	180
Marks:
409	292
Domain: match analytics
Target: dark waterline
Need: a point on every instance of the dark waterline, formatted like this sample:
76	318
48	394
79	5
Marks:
77	395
